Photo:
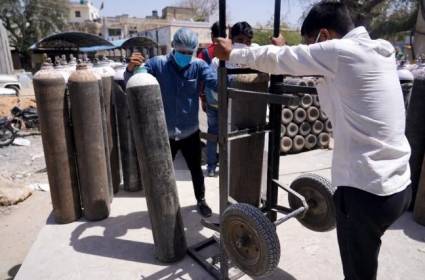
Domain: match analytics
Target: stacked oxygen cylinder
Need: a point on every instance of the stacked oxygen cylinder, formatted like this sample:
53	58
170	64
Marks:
415	132
79	109
80	137
304	126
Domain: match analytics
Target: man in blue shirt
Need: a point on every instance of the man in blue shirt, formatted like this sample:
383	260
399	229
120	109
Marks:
179	74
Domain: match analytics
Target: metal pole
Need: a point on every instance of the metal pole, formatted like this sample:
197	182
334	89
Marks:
223	138
274	137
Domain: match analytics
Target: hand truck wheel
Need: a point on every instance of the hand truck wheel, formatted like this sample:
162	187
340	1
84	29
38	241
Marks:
250	239
318	193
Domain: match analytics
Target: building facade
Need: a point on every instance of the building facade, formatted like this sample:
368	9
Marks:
83	11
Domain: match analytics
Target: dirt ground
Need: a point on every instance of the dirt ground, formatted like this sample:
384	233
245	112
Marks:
20	224
25	99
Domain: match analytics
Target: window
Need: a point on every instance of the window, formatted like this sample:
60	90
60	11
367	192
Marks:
77	14
114	32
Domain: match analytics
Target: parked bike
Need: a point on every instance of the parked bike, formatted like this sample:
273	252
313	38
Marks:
27	116
8	131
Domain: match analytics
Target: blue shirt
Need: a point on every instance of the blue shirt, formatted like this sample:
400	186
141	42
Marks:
180	91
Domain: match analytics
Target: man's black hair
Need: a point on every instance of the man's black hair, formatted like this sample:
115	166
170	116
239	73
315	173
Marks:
242	28
215	30
331	15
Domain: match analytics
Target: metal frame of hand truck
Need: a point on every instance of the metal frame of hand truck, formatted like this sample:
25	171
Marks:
279	94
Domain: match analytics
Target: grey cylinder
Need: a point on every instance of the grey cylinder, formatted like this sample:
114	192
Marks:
154	157
313	114
323	116
285	144
415	129
282	130
107	73
300	115
246	155
323	140
88	128
306	101
419	206
298	143
310	141
328	126
310	83
49	87
316	100
305	128
130	167
287	116
292	130
317	127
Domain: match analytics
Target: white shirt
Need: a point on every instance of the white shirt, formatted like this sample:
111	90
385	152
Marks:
362	96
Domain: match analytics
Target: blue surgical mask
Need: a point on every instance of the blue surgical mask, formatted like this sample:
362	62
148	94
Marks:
182	60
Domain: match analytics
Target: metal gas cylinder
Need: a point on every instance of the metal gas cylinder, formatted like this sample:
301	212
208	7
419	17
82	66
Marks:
107	74
154	157
50	87
130	166
86	112
247	154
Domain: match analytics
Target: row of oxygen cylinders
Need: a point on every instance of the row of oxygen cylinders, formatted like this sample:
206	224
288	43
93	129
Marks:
77	124
83	116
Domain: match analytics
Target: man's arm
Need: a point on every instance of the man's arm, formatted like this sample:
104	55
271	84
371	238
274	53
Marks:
208	76
316	59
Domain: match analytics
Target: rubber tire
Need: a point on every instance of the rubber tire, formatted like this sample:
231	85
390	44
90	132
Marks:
269	241
8	141
325	189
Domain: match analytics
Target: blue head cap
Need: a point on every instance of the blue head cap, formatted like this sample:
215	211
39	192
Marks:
186	39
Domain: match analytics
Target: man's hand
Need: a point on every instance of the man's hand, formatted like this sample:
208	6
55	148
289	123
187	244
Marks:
136	60
279	41
223	48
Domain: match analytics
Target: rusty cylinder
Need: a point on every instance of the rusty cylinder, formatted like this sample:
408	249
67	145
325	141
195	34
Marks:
50	87
247	154
90	143
107	74
154	157
130	167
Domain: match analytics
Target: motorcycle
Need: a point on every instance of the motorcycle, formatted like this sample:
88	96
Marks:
8	131
28	116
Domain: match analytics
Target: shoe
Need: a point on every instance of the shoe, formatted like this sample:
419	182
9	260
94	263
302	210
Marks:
211	173
204	209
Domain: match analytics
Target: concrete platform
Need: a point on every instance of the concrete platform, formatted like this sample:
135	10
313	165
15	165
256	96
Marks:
121	247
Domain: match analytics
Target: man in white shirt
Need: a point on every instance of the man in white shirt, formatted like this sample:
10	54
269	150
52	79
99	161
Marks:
361	94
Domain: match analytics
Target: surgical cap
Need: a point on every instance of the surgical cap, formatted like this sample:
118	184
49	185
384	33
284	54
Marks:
185	38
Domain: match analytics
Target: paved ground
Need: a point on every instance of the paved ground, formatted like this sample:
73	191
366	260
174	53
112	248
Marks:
121	246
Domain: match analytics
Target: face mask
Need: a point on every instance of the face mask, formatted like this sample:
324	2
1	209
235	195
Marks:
239	46
182	60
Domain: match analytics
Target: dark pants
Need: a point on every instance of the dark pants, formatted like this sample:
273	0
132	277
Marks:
192	152
362	218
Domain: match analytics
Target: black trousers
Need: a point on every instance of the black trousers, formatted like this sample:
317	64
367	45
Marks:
192	152
362	218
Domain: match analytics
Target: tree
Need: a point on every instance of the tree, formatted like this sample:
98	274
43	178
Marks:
383	18
28	21
202	8
263	34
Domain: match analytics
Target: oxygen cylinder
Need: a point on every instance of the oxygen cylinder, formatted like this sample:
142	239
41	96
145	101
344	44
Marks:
107	74
406	81
154	157
88	128
415	128
49	87
246	154
130	166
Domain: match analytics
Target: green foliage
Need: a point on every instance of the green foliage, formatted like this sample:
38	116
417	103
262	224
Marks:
263	36
30	20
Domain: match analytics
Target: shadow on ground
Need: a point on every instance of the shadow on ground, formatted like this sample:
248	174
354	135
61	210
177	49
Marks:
412	229
13	271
